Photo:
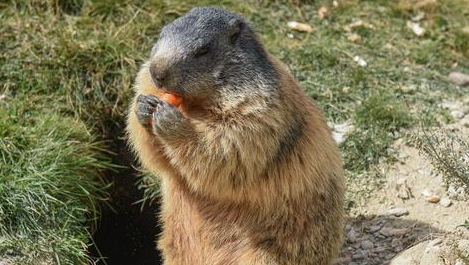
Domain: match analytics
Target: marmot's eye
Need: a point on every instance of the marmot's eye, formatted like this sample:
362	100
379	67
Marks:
202	51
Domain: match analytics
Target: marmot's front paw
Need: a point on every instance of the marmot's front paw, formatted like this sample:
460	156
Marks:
168	121
146	106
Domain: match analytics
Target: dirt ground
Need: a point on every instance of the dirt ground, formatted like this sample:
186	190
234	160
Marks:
413	216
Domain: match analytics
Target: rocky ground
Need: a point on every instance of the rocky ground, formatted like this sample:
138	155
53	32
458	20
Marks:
414	218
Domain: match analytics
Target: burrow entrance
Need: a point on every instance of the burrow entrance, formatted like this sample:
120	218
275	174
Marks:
126	234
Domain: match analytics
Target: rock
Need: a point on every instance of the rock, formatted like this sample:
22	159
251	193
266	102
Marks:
459	79
459	262
398	211
322	12
395	242
425	172
410	256
340	131
389	231
398	231
367	244
300	26
359	255
399	248
426	193
457	114
416	28
354	37
352	236
445	202
432	253
434	199
420	15
355	24
403	190
374	228
379	249
360	61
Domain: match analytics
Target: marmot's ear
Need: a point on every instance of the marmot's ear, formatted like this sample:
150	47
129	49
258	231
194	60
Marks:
235	28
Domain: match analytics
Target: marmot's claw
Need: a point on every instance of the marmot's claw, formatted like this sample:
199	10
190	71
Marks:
167	119
148	99
146	105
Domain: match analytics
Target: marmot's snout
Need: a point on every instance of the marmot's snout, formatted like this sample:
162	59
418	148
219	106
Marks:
159	71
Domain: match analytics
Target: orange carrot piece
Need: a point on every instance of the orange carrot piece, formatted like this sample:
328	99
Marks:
172	99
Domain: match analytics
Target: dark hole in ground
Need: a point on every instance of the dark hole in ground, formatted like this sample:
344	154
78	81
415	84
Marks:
127	235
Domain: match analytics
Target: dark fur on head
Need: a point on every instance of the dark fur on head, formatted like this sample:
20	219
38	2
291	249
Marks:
209	50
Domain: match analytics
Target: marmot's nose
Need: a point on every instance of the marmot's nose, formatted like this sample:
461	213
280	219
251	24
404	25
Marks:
159	73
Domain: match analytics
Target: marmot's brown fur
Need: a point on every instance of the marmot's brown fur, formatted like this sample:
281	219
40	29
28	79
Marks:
249	171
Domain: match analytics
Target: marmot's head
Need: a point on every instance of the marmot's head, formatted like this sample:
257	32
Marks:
208	50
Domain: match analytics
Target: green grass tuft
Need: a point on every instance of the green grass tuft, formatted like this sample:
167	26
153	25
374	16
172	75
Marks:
49	185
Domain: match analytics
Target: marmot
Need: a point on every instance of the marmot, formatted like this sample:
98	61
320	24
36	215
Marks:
249	171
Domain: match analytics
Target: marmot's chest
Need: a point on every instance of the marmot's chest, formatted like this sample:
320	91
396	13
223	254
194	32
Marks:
192	234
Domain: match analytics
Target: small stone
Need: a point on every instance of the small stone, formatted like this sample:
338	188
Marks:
379	250
452	192
390	256
398	248
426	193
355	24
354	37
398	211
434	199
416	28
322	12
395	242
459	262
359	255
389	231
385	231
459	79
300	26
341	131
457	114
352	236
420	15
403	190
445	202
367	244
360	61
435	242
374	228
425	171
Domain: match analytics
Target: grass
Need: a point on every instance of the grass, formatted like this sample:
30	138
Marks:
49	188
66	69
449	154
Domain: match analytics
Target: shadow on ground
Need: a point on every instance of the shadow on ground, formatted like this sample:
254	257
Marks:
375	240
126	234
